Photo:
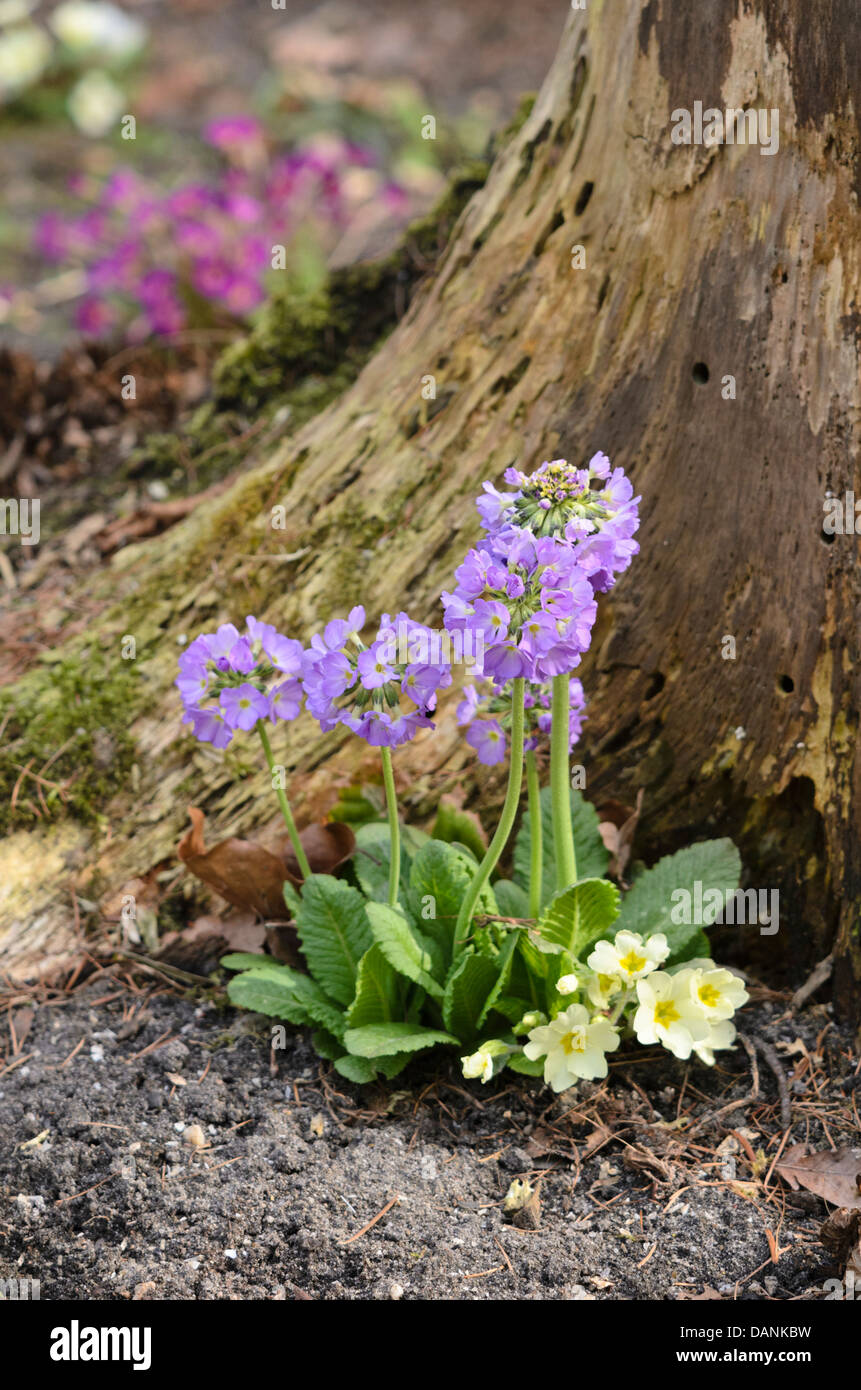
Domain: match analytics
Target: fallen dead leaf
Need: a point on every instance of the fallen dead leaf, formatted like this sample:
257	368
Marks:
249	876
616	828
832	1175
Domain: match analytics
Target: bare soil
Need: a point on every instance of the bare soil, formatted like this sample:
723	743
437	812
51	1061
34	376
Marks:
105	1194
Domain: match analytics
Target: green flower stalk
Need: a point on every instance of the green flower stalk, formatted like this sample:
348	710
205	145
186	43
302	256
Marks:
560	791
394	826
301	856
506	819
536	835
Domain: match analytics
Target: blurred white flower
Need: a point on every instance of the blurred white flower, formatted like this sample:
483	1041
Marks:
95	103
567	984
96	30
24	54
13	11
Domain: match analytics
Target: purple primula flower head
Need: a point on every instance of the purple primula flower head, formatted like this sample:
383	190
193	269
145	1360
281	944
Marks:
538	626
362	687
592	508
229	680
485	711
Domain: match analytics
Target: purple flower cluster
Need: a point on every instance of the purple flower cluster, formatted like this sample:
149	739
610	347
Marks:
360	686
151	254
591	508
486	713
229	680
530	602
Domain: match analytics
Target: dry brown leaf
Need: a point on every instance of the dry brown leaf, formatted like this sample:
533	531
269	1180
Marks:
20	1023
832	1175
251	877
841	1232
616	828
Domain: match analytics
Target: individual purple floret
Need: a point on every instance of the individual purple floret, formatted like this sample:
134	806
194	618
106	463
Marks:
592	508
228	680
362	687
529	601
485	711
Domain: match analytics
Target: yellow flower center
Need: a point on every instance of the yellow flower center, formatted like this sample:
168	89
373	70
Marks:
575	1041
709	995
666	1013
631	963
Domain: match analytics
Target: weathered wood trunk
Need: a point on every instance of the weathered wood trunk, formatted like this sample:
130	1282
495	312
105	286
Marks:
698	263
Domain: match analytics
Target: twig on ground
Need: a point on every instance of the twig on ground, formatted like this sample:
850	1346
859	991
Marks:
767	1052
819	974
734	1104
380	1214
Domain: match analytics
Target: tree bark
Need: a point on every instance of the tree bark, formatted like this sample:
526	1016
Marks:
701	263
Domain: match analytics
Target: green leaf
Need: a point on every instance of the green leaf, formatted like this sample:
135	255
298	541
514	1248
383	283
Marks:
439	879
372	858
525	1065
592	857
402	946
580	915
650	906
292	898
503	966
511	899
470	980
245	960
376	998
511	1008
284	993
358	804
383	1039
334	933
537	962
696	945
263	995
361	1070
357	1069
456	826
327	1045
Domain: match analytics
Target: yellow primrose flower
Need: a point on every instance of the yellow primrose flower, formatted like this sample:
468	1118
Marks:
721	1034
572	1047
668	1015
567	984
531	1020
602	989
716	991
479	1064
629	957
